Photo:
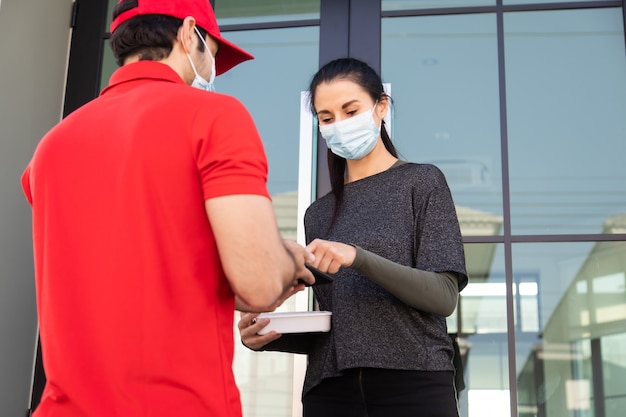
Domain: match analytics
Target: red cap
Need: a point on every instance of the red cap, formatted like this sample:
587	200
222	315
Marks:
228	55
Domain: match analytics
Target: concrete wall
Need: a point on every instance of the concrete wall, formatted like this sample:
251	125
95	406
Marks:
34	44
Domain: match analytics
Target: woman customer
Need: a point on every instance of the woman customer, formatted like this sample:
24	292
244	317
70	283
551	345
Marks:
388	231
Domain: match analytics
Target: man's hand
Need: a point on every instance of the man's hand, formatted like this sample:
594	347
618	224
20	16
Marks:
301	256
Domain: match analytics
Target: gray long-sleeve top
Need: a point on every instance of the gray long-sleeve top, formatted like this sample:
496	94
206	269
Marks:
400	220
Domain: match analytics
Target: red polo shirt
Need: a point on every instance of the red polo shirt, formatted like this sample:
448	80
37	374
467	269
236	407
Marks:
135	313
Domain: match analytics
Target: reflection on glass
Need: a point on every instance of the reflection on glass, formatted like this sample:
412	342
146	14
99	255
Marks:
566	101
480	325
443	72
614	375
229	12
581	312
432	4
526	302
271	93
510	2
111	4
108	65
264	379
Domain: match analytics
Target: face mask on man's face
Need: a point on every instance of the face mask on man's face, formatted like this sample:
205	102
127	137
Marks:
353	138
198	81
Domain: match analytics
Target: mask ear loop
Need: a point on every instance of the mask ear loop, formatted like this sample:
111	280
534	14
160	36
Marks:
374	108
213	75
192	65
187	50
382	119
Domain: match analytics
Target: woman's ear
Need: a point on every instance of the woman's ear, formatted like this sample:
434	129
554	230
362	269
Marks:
382	107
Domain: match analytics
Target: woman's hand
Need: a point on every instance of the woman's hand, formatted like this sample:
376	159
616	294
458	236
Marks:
330	256
249	325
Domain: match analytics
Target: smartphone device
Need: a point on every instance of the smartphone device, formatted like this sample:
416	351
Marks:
321	278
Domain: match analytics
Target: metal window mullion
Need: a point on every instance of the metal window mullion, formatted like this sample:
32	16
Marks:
597	375
624	19
506	211
334	43
365	32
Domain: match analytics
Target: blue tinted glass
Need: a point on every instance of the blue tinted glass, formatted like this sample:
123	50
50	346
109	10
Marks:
511	2
269	86
443	72
432	4
254	11
230	12
566	107
111	4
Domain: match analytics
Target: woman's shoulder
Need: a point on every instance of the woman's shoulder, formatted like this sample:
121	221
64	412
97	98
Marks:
422	172
324	202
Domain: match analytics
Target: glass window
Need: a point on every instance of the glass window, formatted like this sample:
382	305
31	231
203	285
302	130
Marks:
269	86
510	2
614	364
579	294
443	72
432	4
480	324
110	6
566	101
108	65
230	12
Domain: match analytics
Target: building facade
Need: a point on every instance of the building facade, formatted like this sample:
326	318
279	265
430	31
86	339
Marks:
521	103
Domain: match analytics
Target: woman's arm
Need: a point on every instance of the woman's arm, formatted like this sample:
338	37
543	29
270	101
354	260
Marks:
433	292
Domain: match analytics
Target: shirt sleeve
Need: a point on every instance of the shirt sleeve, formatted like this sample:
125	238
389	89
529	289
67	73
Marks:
229	152
439	245
432	292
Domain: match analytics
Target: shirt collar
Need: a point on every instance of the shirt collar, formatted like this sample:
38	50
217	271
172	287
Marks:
142	71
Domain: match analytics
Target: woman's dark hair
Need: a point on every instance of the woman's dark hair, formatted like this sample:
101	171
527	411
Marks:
360	73
149	36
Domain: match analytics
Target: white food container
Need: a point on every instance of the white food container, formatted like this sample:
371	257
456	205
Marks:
297	322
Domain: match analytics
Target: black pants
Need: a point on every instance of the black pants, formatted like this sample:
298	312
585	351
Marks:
368	392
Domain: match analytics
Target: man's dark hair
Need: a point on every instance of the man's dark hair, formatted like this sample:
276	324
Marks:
149	36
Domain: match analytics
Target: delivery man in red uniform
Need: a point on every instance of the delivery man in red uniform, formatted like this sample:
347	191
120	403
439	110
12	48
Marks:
152	223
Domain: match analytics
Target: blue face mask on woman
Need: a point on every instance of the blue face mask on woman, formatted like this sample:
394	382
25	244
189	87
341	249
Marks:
198	81
353	138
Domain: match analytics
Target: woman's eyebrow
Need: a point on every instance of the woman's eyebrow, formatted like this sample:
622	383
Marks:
343	106
349	103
